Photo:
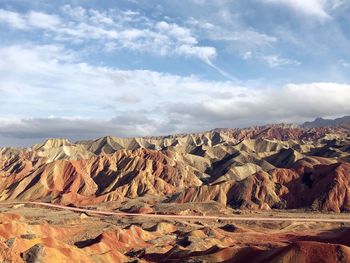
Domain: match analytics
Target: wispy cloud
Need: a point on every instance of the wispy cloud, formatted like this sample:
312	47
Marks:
233	35
272	60
317	8
276	61
114	30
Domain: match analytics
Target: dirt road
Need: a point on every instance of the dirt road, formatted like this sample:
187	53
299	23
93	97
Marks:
229	218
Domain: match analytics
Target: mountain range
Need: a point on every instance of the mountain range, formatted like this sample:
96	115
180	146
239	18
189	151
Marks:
267	167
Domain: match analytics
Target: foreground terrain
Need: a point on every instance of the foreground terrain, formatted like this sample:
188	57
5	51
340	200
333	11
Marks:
276	193
33	233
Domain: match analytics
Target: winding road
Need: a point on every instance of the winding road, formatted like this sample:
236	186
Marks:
197	217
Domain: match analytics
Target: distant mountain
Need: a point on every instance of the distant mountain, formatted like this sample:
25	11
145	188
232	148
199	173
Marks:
343	122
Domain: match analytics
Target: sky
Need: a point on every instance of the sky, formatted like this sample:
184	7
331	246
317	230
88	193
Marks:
83	69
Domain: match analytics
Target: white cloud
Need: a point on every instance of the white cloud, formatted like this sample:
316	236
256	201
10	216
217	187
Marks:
13	19
204	53
42	20
29	20
176	32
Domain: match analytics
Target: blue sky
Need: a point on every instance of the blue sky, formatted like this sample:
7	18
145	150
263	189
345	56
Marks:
83	69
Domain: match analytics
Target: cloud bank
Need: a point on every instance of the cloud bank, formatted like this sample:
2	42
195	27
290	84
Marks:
51	83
